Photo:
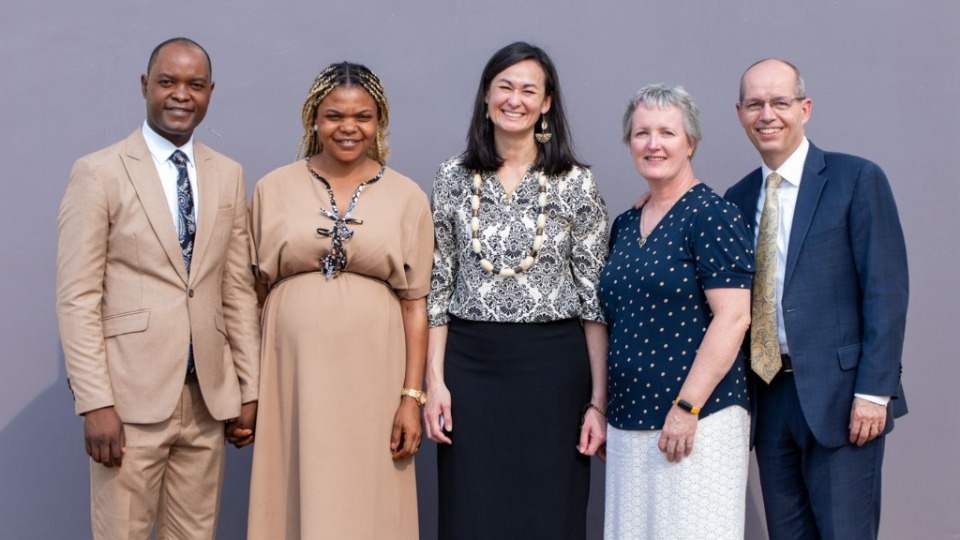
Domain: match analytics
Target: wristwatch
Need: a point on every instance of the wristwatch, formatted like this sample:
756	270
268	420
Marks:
419	396
685	405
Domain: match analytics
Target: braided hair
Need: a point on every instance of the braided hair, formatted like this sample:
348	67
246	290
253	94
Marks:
345	74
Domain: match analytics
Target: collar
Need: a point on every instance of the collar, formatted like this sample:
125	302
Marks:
161	148
792	168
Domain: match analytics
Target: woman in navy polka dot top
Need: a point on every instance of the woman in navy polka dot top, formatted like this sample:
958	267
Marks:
676	293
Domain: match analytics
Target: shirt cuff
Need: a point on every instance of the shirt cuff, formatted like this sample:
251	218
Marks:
879	400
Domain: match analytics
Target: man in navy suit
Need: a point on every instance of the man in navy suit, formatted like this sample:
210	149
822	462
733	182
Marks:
840	278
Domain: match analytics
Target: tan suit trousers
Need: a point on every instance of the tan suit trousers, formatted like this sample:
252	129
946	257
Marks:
172	473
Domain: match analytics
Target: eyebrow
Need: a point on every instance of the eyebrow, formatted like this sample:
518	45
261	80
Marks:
525	85
160	74
333	109
774	98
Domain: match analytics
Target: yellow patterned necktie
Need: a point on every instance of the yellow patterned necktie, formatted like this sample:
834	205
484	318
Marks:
764	340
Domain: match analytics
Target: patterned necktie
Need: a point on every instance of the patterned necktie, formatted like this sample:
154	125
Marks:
186	224
764	340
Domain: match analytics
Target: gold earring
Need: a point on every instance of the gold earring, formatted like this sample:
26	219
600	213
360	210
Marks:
690	153
544	136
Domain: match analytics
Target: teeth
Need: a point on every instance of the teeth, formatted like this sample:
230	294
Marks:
512	114
769	131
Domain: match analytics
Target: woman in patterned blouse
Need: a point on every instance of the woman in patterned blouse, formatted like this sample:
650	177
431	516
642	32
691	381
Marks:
517	341
676	293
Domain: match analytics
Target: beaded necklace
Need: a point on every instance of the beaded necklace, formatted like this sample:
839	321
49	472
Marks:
528	261
336	261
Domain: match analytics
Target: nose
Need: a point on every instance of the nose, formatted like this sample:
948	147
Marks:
180	92
348	125
514	99
653	141
767	112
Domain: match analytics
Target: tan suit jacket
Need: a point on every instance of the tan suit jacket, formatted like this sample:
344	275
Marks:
127	307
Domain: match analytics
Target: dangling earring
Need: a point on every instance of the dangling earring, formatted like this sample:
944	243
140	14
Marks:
314	128
544	136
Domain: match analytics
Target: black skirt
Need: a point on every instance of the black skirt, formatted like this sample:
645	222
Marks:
513	470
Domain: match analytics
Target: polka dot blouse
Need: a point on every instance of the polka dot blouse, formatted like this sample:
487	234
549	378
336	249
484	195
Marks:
656	308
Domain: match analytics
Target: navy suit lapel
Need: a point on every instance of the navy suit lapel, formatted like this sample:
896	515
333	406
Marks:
746	199
750	209
811	187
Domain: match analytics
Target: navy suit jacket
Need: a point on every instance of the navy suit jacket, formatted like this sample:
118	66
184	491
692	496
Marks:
845	289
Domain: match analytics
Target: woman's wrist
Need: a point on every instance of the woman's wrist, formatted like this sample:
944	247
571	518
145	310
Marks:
434	381
595	408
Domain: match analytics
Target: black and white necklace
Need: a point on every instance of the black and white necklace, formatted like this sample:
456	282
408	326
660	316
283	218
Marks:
336	261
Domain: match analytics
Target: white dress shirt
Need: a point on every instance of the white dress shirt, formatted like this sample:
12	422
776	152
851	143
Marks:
792	172
161	149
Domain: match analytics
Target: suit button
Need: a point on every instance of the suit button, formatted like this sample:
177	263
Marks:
190	293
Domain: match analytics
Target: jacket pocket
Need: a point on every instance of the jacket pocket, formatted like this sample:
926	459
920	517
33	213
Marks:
849	356
218	322
827	235
126	323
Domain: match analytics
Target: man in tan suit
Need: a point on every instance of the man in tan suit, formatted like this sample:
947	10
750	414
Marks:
157	311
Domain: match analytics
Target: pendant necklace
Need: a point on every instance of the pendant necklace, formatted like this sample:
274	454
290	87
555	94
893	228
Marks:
643	237
336	261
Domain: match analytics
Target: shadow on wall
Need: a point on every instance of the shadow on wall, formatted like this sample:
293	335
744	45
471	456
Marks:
44	471
45	477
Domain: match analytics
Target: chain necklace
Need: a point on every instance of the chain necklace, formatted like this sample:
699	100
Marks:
528	261
336	261
643	237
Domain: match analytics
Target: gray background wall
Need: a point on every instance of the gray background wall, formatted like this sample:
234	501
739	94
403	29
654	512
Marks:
883	75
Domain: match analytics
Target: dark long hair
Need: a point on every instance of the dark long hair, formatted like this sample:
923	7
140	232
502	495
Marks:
554	157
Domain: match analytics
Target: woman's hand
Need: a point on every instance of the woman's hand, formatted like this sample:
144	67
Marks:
407	430
641	201
593	432
239	431
676	439
436	413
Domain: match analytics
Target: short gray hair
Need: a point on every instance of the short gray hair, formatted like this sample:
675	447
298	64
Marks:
661	96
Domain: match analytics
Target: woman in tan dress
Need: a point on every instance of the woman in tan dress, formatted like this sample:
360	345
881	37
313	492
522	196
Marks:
342	248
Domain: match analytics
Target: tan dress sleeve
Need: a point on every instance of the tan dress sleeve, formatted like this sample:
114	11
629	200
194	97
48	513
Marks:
416	239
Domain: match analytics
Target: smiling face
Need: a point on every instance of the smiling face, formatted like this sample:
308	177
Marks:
659	144
517	97
770	111
177	90
346	124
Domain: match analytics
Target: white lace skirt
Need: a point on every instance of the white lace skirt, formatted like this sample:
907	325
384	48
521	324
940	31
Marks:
703	496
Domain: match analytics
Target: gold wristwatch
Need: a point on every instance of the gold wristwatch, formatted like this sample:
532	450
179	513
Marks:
419	396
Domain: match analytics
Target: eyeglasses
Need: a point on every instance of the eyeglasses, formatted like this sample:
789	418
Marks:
777	104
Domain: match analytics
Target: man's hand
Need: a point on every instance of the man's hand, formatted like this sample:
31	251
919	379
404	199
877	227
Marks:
239	430
867	420
103	436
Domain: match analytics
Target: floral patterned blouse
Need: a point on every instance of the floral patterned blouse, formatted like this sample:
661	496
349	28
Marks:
561	284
